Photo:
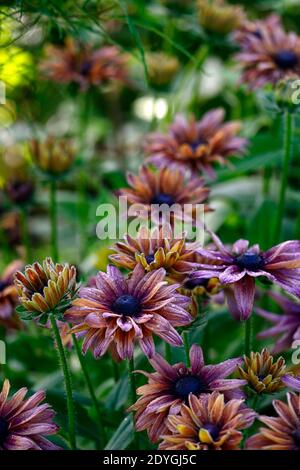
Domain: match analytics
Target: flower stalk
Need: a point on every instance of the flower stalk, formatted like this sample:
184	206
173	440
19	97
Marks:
53	219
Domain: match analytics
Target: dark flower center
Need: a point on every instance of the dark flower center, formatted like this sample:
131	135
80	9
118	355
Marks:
257	34
127	305
213	430
189	384
162	198
3	430
150	258
286	59
192	283
85	68
3	285
249	260
194	145
297	438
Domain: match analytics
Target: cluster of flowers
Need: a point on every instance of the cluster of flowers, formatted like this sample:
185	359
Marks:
193	406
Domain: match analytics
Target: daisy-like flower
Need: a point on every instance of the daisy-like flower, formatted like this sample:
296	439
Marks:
281	432
167	188
155	249
219	16
269	55
80	64
170	385
204	289
208	423
262	373
25	423
162	67
117	311
46	288
240	266
286	327
19	191
9	296
53	155
196	145
253	28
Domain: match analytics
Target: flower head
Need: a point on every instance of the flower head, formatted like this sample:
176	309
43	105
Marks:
219	16
208	423
268	54
262	373
281	432
9	296
162	67
117	311
46	288
24	423
286	326
170	386
241	265
155	249
78	63
166	188
53	155
19	191
196	145
247	29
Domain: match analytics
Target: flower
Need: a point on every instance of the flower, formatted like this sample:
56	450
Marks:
24	423
281	432
167	188
208	423
155	249
263	374
268	54
196	145
118	311
54	155
19	191
170	385
196	289
247	29
9	296
240	266
78	63
219	16
286	325
46	288
162	67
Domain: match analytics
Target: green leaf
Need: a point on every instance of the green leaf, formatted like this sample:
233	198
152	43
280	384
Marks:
118	395
123	436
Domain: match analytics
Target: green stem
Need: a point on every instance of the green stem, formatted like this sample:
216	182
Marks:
26	234
91	392
185	337
68	383
168	353
248	336
53	219
133	394
287	154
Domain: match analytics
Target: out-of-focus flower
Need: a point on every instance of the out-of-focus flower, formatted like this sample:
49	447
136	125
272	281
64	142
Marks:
46	288
162	67
9	296
54	155
286	326
220	17
155	249
268	54
167	188
281	432
199	290
196	145
19	191
79	63
170	386
10	226
262	373
208	423
25	423
241	265
118	311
